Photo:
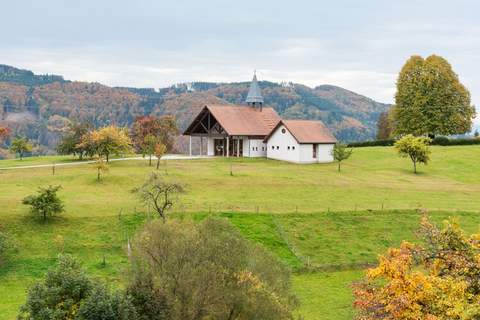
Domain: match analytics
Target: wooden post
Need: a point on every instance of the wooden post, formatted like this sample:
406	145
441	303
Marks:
238	147
201	145
228	146
190	147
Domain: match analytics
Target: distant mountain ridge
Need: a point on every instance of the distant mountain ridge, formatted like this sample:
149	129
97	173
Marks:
41	106
26	77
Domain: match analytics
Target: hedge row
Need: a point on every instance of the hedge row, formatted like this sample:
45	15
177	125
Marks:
438	141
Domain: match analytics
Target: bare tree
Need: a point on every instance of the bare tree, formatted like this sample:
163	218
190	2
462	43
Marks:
159	193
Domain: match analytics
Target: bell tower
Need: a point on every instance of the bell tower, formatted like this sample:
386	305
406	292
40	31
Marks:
254	97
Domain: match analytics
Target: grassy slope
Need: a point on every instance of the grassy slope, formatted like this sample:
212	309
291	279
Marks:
91	228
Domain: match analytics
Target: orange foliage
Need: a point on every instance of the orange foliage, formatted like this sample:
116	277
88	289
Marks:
437	280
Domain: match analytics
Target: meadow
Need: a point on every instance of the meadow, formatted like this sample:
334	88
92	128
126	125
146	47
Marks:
327	226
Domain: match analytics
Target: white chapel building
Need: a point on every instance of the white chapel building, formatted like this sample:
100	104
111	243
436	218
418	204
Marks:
254	130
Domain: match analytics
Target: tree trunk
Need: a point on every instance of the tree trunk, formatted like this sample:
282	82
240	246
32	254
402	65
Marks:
158	163
21	155
98	174
107	157
44	216
339	166
414	167
150	161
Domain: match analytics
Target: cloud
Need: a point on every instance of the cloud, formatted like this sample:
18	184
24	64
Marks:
147	43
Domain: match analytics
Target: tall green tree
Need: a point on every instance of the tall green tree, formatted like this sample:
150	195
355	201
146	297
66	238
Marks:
20	146
430	99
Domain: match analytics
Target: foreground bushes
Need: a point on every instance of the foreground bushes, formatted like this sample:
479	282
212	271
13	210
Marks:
438	141
438	279
67	292
207	270
180	271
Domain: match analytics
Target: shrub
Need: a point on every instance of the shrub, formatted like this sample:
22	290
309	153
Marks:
439	278
104	304
207	271
59	295
373	143
67	292
463	142
45	203
441	141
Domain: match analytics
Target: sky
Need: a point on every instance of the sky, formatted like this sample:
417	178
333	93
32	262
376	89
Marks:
358	45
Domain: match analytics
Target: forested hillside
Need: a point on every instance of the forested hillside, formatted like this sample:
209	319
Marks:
41	106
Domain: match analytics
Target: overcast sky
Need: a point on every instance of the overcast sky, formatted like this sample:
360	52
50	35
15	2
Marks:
359	45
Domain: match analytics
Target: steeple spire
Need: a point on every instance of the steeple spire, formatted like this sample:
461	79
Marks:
254	97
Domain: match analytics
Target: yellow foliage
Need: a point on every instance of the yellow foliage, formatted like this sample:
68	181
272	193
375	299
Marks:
438	280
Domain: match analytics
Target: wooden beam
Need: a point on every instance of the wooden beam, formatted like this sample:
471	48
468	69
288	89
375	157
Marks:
190	148
228	147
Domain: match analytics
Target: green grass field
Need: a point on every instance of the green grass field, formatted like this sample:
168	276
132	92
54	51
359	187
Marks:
326	225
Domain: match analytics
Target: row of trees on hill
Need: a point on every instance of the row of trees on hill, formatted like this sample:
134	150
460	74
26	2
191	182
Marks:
430	101
148	135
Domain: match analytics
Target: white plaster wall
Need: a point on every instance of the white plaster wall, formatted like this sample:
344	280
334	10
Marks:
306	153
278	146
210	146
254	148
324	153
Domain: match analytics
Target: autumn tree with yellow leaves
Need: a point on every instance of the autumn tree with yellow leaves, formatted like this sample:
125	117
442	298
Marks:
107	141
438	279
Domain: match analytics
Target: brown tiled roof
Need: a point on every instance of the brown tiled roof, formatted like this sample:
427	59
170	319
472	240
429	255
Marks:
244	120
307	131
